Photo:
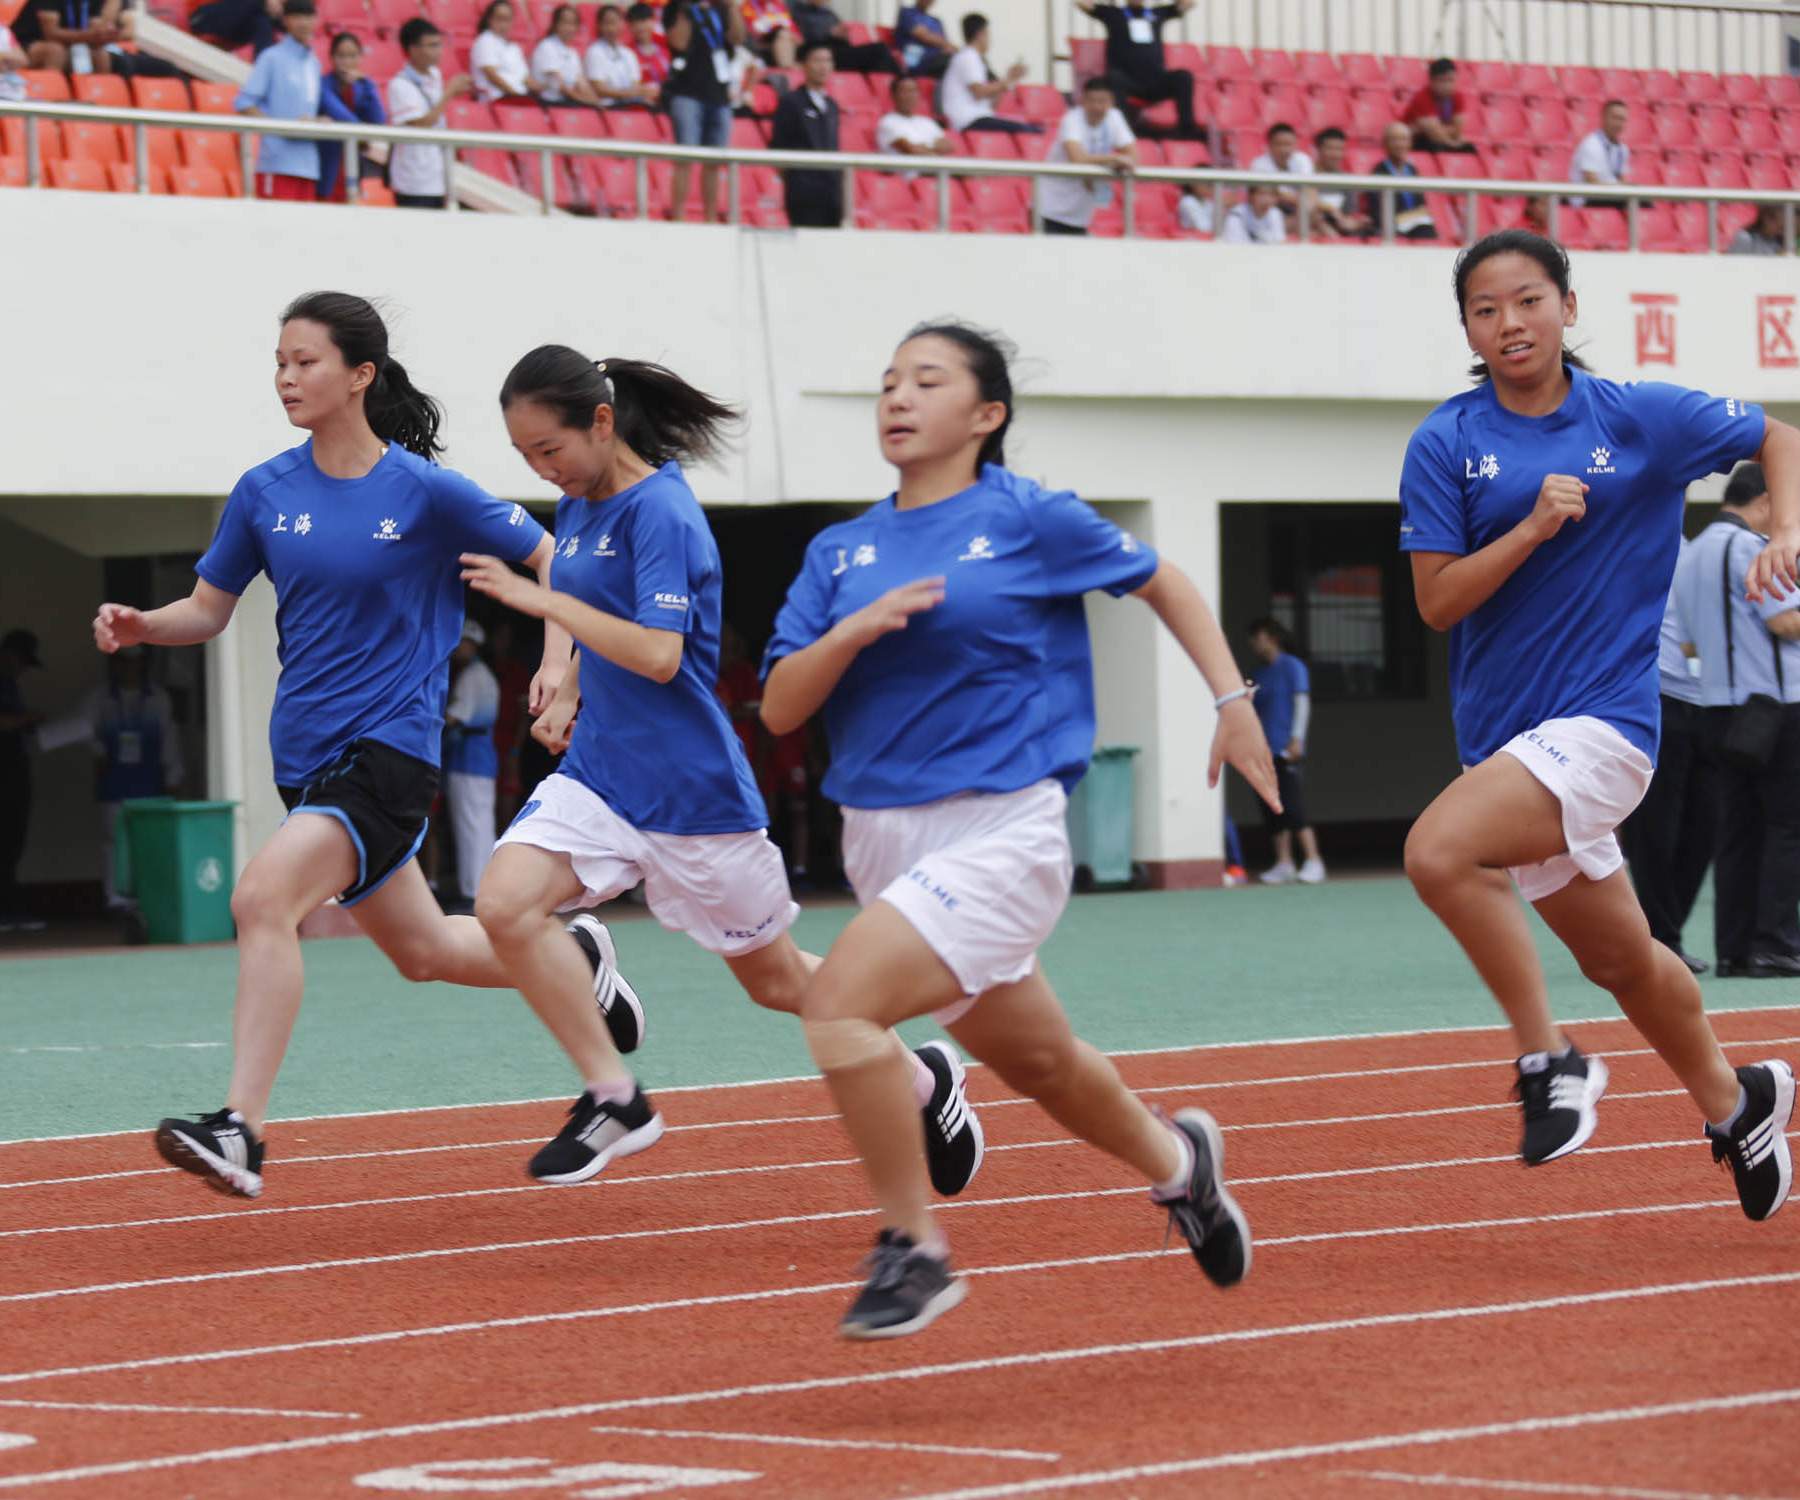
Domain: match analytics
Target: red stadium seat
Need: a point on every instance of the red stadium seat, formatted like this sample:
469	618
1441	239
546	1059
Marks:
1581	82
1325	108
1087	56
45	86
382	58
1787	130
1229	63
1186	154
1716	130
1683	169
1318	70
390	15
565	185
993	145
753	135
1782	91
1244	146
1742	88
1661	86
199	182
1041	103
1407	74
374	194
1547	124
1536	81
855	133
1640	125
1549	164
857	34
1769	174
638	125
81	173
1755	129
1726	170
1702	88
1187	56
12	172
1647	170
852	92
1505	121
160	93
1622	83
106	89
344	15
582	124
1284	104
213	98
1272	66
884	201
470	114
1363	69
611	185
526	116
456	15
1487	77
85	141
1674	126
123	177
1238	108
1369	117
498	164
1507	160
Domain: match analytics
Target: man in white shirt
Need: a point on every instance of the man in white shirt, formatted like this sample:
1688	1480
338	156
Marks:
1334	214
903	131
1094	133
970	87
1258	221
417	96
613	67
1603	155
1284	155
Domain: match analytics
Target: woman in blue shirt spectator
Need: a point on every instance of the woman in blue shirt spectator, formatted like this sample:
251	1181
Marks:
1284	704
349	98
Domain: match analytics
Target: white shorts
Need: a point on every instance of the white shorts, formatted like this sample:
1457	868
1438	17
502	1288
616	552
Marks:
1598	776
727	891
983	877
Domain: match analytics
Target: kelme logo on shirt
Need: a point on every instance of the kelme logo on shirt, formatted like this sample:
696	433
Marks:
1603	463
980	549
1129	543
517	516
388	531
1488	468
671	601
604	547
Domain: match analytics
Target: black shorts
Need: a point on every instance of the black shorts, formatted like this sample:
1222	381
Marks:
382	797
1293	799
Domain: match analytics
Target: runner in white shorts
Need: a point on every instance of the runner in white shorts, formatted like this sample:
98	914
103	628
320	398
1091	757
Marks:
1543	512
654	785
942	633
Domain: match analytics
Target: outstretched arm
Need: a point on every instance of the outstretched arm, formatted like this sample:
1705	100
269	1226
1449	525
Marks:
798	685
186	622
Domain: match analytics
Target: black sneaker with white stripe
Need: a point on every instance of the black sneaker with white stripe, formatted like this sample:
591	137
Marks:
1206	1214
598	1132
1559	1099
953	1139
617	1000
219	1148
908	1288
1756	1144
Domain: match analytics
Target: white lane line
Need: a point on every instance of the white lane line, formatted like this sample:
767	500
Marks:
1424	1437
183	1411
682	1304
1030	1359
757	1083
1532	1486
813	1442
114	1047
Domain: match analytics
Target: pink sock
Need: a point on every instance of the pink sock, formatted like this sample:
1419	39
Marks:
619	1092
924	1080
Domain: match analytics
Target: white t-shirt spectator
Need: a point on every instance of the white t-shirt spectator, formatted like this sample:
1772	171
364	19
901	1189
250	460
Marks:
416	171
915	130
961	108
12	86
615	66
1195	213
506	58
1242	227
555	65
1609	161
1299	165
1069	200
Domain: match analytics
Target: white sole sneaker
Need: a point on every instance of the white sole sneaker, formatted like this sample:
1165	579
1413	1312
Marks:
1597	1078
222	1176
629	1144
1783	1116
1215	1140
610	986
952	1294
962	1112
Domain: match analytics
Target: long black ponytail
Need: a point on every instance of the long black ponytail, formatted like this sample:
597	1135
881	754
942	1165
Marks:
1546	252
396	409
656	413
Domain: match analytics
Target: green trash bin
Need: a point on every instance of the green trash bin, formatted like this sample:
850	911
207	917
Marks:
181	867
1102	810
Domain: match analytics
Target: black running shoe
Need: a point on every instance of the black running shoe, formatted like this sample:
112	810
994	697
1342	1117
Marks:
598	1132
1206	1214
219	1148
907	1289
1756	1146
1559	1101
953	1138
617	1000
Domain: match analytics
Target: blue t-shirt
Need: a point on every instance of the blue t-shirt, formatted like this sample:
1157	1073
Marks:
993	689
662	755
913	53
1276	686
368	595
1574	630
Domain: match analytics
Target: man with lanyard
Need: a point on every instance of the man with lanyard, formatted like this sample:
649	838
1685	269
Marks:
807	120
139	749
1748	651
702	37
1134	58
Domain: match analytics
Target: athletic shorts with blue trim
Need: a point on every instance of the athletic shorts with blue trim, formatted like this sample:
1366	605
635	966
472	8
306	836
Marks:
383	800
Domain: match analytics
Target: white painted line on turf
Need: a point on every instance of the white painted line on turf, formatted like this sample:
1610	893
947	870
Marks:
1029	1359
813	1442
114	1047
1425	1437
1533	1486
684	1304
184	1411
757	1083
15	1440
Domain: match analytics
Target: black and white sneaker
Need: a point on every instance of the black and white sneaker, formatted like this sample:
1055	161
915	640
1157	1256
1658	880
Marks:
219	1148
953	1138
1559	1099
598	1132
908	1288
1756	1146
1206	1214
617	1000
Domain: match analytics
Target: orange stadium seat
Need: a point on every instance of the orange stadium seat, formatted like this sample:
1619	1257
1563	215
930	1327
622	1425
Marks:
123	177
12	171
470	114
84	140
45	86
107	89
199	182
214	98
375	194
160	93
12	138
82	173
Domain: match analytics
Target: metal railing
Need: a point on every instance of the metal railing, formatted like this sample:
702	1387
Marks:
548	149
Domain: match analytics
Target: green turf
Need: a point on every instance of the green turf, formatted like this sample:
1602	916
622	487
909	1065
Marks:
1136	971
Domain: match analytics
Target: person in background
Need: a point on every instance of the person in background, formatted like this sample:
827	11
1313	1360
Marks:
1094	133
18	655
68	36
970	88
820	23
1603	155
471	763
1332	212
237	23
1135	58
1257	220
774	34
139	752
925	51
1412	219
1285	156
556	65
1436	114
746	74
12	58
347	97
1668	840
512	724
1284	704
497	61
417	96
807	119
1234	872
650	45
702	34
1763	235
285	84
614	70
904	130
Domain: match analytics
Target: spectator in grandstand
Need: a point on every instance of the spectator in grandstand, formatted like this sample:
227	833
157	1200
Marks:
1257	220
1436	112
417	95
556	65
285	84
68	36
904	130
18	655
702	34
1195	211
1134	57
1536	216
497	61
650	45
1284	704
1093	133
746	74
807	120
471	762
1284	155
12	58
1333	212
614	71
1763	235
820	23
970	87
1603	155
774	34
349	98
1412	219
925	51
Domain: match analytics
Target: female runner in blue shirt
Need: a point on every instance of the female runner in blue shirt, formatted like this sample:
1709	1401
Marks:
942	633
1543	513
360	533
654	785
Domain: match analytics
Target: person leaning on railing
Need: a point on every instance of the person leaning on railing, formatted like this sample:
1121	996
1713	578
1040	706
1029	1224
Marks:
418	96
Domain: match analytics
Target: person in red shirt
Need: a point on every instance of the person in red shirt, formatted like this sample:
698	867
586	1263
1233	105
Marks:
1436	112
647	41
